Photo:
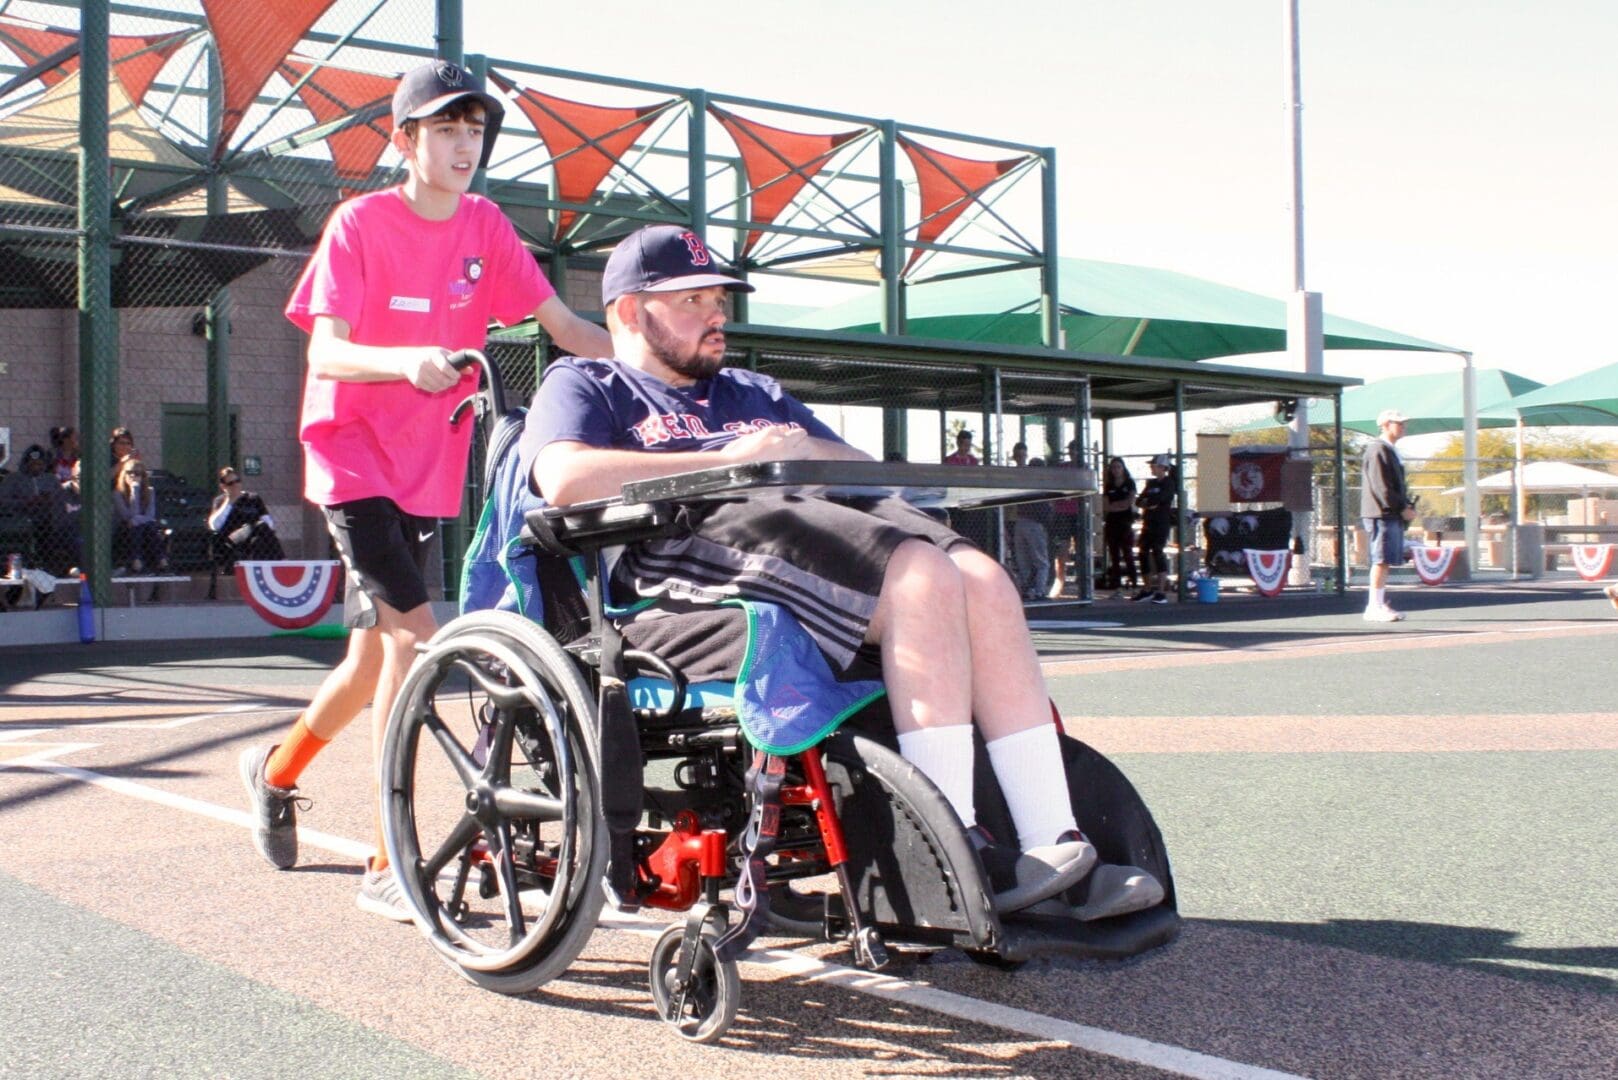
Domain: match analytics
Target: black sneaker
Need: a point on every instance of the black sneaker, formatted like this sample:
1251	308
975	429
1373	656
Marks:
1021	878
1141	595
1159	598
275	815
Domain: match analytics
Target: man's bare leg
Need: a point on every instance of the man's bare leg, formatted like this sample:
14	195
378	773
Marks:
926	627
1008	688
921	625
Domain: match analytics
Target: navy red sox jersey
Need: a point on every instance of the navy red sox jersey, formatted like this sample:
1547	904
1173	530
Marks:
610	404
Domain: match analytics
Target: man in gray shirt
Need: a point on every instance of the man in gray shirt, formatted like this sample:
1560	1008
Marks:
1385	506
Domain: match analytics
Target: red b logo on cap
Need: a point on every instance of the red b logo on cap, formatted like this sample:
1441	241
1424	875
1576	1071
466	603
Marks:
699	253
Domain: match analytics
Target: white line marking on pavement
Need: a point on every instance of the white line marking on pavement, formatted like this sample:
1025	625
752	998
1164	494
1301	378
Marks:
336	844
1072	624
1112	1044
182	721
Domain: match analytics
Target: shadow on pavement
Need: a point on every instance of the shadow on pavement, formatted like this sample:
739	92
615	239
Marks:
1475	947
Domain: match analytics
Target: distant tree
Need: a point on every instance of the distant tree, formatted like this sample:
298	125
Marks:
1497	450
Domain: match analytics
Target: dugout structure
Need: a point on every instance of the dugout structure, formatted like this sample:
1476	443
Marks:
166	167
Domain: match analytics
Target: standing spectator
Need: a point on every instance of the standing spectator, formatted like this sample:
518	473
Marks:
1030	541
1118	524
134	504
1064	528
242	523
972	524
65	445
34	492
963	450
1156	503
1385	506
402	278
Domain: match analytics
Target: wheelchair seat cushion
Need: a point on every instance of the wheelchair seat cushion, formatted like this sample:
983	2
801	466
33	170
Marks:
786	695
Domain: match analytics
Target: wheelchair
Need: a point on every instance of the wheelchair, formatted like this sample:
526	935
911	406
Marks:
536	764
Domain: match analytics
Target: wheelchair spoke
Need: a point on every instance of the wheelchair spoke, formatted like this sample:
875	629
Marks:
527	805
498	768
506	866
465	831
460	760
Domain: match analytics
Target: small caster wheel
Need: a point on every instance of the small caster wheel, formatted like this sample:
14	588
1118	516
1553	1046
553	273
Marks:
708	1006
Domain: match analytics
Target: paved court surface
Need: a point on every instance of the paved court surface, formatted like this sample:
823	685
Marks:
1394	846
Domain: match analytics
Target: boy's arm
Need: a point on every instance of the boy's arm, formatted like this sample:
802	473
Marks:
576	336
333	356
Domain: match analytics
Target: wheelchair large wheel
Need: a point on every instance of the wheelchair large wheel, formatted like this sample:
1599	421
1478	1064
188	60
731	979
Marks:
492	821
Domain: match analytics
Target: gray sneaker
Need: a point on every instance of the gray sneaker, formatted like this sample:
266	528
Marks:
1019	879
275	814
380	895
1118	890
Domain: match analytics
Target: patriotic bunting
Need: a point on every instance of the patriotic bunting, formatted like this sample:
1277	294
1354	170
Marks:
291	595
1268	569
1592	561
1433	564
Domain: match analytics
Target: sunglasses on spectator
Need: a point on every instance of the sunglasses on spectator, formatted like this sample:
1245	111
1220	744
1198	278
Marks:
230	481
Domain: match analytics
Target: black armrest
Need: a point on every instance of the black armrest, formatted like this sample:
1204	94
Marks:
568	530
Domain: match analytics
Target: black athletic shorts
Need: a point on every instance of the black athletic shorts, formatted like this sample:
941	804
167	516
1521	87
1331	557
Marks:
384	552
824	561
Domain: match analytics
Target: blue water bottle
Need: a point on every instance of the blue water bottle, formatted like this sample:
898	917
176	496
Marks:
87	610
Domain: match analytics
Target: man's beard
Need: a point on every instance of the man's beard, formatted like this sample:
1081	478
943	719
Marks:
686	360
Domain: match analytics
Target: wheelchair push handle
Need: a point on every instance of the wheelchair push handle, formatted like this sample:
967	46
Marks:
492	384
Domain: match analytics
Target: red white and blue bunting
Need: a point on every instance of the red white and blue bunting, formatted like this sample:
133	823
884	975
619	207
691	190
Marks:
291	595
1433	564
1592	561
1268	569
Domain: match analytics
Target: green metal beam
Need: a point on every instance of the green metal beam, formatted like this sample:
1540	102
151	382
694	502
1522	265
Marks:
98	331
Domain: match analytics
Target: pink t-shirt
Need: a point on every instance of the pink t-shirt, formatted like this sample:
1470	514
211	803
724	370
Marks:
398	279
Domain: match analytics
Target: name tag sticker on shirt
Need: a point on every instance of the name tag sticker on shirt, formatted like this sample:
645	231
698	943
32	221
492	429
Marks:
410	303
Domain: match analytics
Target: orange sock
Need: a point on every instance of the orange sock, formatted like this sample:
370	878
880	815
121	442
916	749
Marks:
379	861
294	754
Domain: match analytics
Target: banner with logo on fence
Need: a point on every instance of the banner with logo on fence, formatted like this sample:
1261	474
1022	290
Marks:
289	594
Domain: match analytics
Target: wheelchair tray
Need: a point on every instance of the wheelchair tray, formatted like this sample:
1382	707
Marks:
960	486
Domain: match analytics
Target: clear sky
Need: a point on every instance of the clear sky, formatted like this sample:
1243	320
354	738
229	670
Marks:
1459	155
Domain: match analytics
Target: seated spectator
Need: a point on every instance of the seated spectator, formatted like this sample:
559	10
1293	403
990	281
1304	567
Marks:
65	445
241	523
134	504
34	492
120	445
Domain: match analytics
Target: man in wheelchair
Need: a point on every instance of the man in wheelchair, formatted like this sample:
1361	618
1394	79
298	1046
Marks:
876	583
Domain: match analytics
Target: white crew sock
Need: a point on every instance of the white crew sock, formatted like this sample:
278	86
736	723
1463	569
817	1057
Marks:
944	756
1379	598
1028	765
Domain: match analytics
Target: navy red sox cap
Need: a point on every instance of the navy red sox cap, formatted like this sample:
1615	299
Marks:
434	87
662	258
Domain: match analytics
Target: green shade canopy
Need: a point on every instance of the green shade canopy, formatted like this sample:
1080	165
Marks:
1107	308
1588	400
1433	402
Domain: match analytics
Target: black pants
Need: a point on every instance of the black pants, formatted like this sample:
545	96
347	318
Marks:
1117	533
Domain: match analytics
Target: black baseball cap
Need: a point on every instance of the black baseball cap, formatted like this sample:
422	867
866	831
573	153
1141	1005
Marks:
662	258
434	87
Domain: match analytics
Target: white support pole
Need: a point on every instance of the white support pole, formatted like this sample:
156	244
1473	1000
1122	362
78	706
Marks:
1469	457
1304	340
